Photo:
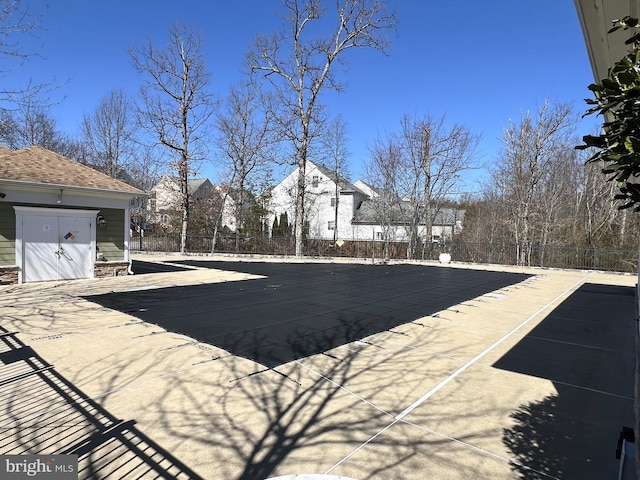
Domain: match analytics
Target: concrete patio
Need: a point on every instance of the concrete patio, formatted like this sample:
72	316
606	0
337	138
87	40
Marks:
218	368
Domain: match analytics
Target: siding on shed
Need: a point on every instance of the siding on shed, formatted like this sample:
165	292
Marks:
110	240
7	234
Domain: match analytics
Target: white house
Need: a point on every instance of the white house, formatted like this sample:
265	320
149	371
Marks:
228	198
330	205
338	209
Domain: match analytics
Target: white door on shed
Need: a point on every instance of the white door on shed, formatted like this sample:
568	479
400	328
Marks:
74	241
57	247
40	235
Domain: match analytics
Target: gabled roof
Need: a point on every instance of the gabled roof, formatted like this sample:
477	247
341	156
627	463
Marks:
193	184
121	174
344	184
369	190
37	165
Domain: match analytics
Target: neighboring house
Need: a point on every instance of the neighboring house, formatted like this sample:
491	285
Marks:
320	202
391	222
366	188
362	213
60	219
228	218
164	201
121	174
139	205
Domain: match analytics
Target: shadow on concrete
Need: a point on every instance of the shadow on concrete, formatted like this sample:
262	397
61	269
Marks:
586	348
302	309
142	268
305	416
43	413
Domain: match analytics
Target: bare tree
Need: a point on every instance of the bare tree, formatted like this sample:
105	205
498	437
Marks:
16	22
32	124
553	199
334	141
424	163
594	206
383	171
531	148
435	157
176	105
300	66
245	139
109	133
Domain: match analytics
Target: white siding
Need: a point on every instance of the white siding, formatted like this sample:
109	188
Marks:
319	191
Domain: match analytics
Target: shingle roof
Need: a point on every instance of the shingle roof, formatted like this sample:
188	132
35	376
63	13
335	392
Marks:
193	184
39	165
401	213
345	185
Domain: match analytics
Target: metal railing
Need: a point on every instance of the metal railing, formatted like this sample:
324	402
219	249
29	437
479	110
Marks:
551	256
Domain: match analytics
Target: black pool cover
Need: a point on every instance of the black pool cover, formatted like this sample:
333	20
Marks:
302	309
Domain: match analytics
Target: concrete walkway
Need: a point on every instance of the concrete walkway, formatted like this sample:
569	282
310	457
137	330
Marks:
533	379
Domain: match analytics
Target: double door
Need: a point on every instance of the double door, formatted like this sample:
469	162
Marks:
57	247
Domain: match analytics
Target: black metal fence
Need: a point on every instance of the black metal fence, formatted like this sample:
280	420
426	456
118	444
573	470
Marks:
552	256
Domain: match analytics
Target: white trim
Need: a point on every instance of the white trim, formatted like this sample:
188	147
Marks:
127	239
93	191
60	212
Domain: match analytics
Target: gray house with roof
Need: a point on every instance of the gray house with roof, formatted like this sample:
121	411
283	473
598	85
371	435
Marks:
392	221
60	219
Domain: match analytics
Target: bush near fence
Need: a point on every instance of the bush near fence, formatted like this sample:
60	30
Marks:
551	256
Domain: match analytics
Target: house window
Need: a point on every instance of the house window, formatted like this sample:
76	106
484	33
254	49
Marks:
305	228
331	225
378	235
315	181
333	201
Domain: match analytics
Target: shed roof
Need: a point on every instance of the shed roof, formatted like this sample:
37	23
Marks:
37	165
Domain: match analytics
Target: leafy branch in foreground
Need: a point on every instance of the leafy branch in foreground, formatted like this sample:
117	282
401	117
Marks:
617	99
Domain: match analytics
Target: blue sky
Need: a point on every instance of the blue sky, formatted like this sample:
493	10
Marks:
478	63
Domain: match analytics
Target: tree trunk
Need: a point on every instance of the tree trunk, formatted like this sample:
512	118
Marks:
183	236
623	228
185	208
299	224
335	215
213	240
239	215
